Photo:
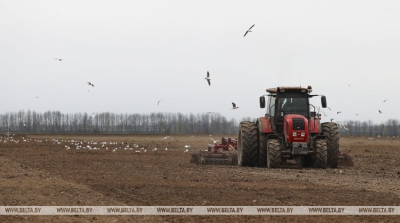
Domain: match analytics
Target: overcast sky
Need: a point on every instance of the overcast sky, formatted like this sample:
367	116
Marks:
138	52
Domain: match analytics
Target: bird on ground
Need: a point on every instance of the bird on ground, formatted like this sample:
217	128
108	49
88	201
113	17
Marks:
187	146
234	106
166	137
186	150
338	112
135	145
208	78
89	83
380	112
215	141
249	30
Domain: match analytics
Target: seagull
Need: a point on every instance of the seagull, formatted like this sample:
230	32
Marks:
385	100
187	146
234	106
89	83
159	101
57	59
187	150
338	112
249	30
329	108
166	137
215	141
332	119
208	78
345	128
36	97
380	112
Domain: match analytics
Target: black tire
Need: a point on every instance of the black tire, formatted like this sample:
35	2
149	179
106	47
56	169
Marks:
247	144
262	150
321	154
307	161
274	153
331	132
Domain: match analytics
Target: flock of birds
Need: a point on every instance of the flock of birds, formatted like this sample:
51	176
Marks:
89	145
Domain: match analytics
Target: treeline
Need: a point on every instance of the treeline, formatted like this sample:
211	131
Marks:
110	123
157	123
368	128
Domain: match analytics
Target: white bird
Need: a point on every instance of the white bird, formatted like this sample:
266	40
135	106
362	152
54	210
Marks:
234	106
187	146
135	145
187	150
137	152
208	78
215	141
155	149
166	149
249	30
345	128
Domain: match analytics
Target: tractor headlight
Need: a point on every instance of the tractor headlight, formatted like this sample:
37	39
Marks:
294	134
303	134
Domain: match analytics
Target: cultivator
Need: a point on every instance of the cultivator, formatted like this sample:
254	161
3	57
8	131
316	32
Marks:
222	154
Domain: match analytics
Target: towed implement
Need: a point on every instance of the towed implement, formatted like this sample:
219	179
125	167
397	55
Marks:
222	154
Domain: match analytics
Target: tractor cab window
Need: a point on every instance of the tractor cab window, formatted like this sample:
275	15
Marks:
293	105
271	107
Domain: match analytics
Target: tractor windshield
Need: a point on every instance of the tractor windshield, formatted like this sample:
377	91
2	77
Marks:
293	104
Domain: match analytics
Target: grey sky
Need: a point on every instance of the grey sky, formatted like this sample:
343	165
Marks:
137	52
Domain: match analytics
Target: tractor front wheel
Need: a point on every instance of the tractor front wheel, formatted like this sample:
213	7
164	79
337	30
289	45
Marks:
274	153
331	133
321	154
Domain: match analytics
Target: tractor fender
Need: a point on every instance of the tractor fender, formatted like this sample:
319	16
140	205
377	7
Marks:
315	126
264	125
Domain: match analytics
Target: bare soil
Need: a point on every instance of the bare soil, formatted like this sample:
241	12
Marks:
40	172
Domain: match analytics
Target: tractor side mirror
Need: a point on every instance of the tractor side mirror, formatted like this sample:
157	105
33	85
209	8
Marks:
262	102
323	101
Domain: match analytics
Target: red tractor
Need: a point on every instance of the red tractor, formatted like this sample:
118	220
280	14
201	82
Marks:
290	132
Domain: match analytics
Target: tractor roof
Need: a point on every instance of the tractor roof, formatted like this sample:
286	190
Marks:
299	89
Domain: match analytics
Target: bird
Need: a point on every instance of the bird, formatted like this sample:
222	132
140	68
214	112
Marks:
58	59
208	78
36	97
385	100
332	119
215	141
249	30
234	106
380	112
357	114
338	112
345	128
187	150
159	101
329	108
89	83
187	146
166	137
324	113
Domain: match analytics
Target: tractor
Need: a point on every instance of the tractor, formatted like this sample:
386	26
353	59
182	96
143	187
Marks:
290	132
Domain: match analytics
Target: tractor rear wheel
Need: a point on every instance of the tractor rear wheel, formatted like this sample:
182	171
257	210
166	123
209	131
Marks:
247	144
274	153
331	133
321	154
262	150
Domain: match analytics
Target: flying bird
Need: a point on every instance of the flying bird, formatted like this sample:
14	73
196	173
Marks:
249	30
215	141
332	119
338	112
385	100
89	83
380	112
234	106
58	59
345	128
208	78
159	101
